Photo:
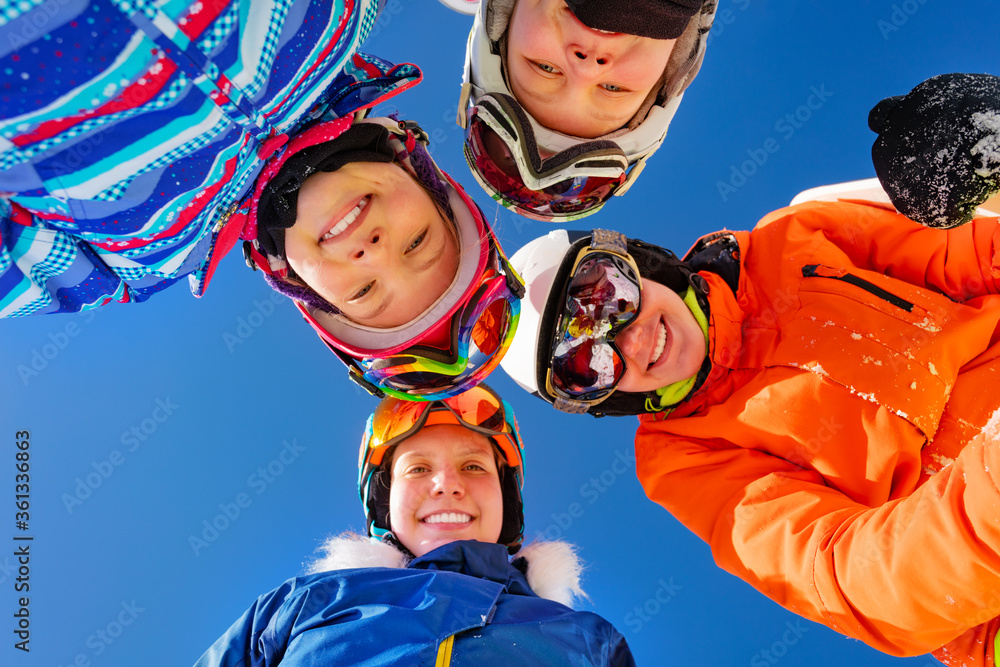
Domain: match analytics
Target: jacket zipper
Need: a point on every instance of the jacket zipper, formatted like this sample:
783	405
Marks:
813	271
444	652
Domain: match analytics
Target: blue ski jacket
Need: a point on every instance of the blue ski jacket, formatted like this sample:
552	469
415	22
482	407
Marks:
130	131
463	603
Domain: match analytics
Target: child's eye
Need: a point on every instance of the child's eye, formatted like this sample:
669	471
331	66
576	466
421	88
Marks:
611	88
364	290
545	67
417	241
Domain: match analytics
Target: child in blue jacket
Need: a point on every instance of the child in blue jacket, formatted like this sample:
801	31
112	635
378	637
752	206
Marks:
441	484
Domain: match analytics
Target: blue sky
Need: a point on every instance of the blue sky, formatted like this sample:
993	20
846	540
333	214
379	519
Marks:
150	422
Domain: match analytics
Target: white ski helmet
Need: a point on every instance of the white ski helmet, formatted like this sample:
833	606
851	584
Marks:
580	174
545	265
462	6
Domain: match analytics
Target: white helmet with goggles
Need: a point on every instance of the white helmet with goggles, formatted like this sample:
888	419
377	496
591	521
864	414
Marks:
505	145
480	410
582	290
459	339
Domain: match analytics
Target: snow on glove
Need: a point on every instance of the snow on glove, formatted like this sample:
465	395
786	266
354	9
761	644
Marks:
938	150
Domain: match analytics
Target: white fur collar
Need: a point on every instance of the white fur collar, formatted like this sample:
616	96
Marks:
553	567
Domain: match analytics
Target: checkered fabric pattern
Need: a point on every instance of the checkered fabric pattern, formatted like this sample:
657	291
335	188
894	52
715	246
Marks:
16	8
91	129
220	30
279	9
59	258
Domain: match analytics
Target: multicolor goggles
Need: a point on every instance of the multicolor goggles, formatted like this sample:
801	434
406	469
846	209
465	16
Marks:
479	409
503	154
480	334
602	296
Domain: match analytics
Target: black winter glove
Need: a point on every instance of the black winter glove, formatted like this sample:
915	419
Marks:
938	150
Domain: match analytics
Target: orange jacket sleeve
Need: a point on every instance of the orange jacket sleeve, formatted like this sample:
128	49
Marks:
905	577
962	263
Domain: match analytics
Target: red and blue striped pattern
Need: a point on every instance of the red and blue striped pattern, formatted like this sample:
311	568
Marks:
130	130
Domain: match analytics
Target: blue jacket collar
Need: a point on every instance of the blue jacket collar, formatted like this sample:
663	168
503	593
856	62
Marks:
476	559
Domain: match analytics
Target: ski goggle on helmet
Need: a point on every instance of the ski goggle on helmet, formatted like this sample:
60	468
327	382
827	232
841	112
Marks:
480	410
461	337
581	294
502	152
602	295
504	145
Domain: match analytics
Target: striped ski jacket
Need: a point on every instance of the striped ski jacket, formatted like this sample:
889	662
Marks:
130	130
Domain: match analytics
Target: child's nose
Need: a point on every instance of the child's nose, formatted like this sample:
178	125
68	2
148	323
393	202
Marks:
371	245
586	61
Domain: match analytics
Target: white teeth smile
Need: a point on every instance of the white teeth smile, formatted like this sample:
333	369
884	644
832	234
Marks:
344	222
661	342
448	517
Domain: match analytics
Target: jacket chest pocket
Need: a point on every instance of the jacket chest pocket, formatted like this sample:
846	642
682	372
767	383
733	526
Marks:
859	295
820	271
881	338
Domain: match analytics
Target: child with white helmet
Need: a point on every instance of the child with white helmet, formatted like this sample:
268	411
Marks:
564	100
433	582
816	396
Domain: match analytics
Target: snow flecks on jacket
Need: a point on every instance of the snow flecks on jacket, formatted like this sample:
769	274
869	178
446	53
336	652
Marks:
988	148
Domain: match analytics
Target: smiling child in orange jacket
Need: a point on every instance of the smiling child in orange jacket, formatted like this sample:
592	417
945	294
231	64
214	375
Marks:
838	446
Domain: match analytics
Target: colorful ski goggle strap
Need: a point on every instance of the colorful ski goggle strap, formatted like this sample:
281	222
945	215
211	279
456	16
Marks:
602	296
480	409
481	334
503	155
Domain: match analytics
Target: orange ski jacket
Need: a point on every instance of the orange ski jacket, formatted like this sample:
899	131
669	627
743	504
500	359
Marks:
835	457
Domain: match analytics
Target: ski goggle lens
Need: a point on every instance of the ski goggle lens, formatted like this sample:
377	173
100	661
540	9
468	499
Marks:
485	332
602	297
493	160
478	409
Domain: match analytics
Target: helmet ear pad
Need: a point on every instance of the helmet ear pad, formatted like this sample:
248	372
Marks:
512	529
660	265
377	502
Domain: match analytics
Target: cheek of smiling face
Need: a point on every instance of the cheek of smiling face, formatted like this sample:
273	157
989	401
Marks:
663	345
575	80
370	240
445	487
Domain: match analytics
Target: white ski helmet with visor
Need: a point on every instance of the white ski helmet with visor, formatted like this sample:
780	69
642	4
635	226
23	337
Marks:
505	145
582	290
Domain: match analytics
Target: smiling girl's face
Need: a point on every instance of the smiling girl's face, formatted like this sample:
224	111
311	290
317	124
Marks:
370	240
445	487
576	80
